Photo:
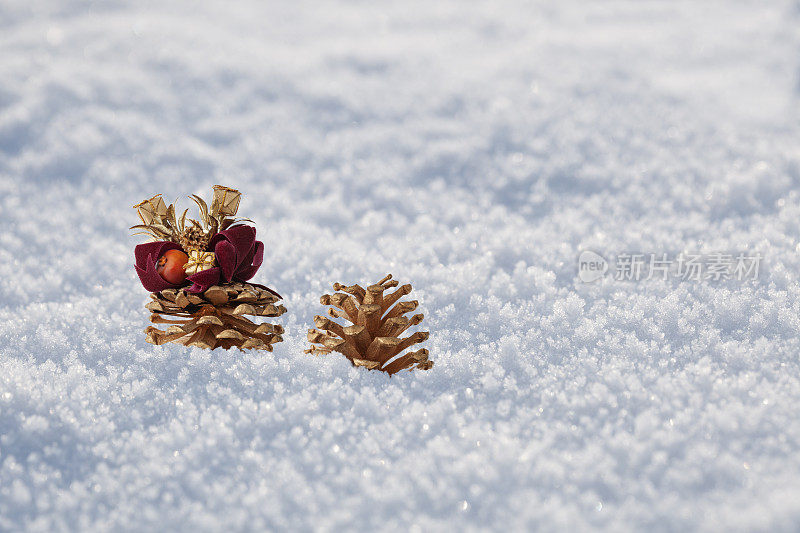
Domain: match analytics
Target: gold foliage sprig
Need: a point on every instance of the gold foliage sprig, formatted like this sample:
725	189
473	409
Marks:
221	215
159	221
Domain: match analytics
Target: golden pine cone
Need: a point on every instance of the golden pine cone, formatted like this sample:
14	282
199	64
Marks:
215	318
193	239
373	341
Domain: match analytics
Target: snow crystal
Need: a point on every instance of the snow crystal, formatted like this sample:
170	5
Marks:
472	149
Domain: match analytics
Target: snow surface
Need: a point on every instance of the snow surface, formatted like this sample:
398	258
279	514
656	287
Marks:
471	148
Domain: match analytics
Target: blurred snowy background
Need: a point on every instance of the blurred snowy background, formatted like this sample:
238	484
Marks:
471	148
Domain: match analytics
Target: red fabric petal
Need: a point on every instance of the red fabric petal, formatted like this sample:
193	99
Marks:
151	279
245	260
236	250
156	249
226	255
204	279
146	256
249	268
242	237
215	239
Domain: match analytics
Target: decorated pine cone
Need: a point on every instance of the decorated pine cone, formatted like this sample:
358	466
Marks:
215	318
373	340
198	274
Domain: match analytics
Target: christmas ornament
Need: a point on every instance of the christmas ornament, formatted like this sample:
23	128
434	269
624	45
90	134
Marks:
198	273
199	261
373	340
172	265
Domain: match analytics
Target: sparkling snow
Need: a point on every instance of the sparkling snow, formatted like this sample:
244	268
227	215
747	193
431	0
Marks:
472	149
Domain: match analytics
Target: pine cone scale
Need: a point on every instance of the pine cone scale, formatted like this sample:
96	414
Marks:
214	319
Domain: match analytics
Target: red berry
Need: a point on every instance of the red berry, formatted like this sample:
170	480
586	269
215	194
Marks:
171	266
